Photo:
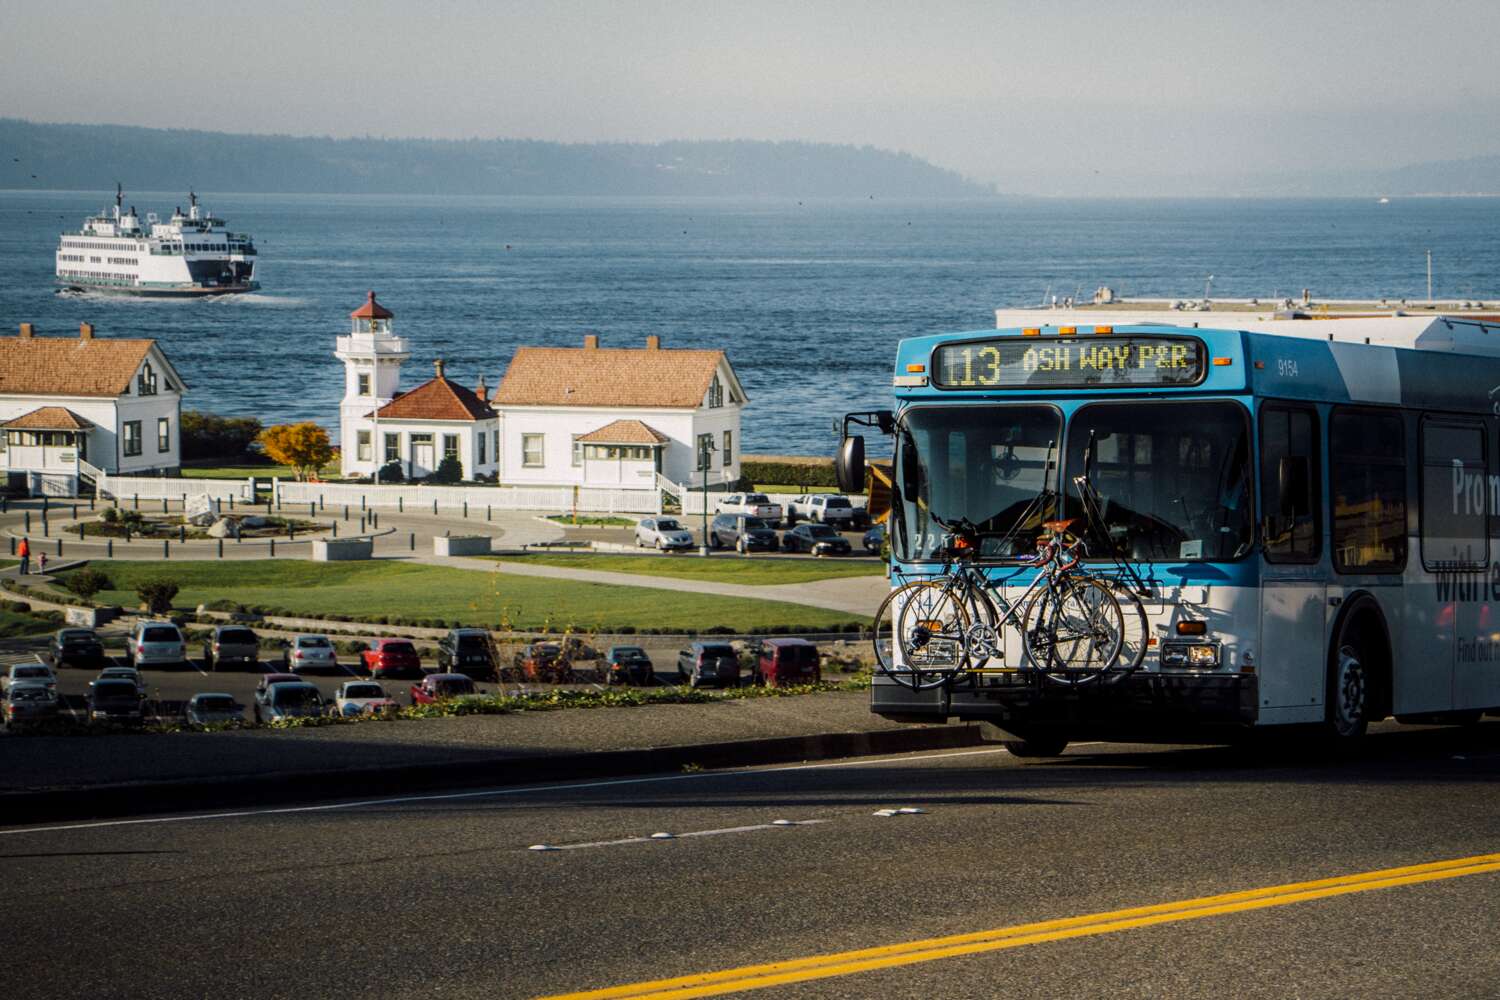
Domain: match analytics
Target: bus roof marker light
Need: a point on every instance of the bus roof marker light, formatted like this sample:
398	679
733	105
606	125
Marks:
1104	329
1066	331
916	369
1223	362
1031	331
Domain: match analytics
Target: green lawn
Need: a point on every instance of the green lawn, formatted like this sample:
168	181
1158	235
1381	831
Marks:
720	568
246	471
16	623
366	591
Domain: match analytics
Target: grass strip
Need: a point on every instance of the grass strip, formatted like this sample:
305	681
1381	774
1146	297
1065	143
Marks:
746	570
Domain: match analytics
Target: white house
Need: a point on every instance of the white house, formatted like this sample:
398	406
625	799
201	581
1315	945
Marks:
65	401
595	416
379	424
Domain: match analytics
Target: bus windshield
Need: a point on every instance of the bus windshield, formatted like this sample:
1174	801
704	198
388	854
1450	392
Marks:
984	463
1173	479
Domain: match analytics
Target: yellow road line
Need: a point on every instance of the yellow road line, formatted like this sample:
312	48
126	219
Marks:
752	977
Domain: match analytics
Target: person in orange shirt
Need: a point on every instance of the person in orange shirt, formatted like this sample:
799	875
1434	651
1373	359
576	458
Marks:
24	551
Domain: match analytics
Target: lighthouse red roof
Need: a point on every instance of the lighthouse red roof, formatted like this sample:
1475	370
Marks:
372	310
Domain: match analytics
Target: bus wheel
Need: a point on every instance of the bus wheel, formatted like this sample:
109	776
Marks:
1348	692
1037	745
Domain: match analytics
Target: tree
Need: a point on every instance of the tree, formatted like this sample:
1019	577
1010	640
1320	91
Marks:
305	446
156	594
87	582
208	435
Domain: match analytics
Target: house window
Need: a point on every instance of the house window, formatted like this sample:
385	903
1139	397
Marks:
132	438
577	451
531	450
145	383
715	393
393	447
362	447
497	447
163	434
450	446
364	384
705	452
728	448
481	439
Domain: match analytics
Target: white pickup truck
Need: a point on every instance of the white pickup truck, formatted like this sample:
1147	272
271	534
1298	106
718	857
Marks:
755	504
824	508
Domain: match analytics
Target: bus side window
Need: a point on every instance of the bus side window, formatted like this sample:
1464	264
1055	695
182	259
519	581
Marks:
1290	483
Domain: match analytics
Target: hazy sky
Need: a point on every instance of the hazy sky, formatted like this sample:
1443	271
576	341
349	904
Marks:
1026	95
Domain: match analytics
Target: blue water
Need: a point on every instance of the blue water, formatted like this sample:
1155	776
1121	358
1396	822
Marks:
808	299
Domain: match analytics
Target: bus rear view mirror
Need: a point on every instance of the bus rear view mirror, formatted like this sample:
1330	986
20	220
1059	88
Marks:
1294	484
849	464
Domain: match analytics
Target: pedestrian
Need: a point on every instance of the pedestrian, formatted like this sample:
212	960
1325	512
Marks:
24	551
41	563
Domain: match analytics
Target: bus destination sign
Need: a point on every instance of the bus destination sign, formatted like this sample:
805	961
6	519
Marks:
1085	362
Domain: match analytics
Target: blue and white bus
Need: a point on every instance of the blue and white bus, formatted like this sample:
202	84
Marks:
1311	503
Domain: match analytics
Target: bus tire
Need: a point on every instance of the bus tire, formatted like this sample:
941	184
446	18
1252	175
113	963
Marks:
1358	674
1037	745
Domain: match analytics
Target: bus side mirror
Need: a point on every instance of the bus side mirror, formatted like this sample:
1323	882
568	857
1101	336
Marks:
1294	483
849	464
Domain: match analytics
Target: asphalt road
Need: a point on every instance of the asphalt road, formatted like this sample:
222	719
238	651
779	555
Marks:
440	896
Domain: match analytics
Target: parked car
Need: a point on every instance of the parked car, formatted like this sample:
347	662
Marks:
29	703
822	508
115	701
76	647
231	644
742	532
156	644
125	674
664	533
819	539
440	687
709	663
362	698
874	539
266	680
310	653
213	706
38	673
468	651
392	658
628	665
784	662
753	504
289	700
543	662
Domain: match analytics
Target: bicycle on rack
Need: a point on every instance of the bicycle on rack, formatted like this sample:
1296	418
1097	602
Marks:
929	632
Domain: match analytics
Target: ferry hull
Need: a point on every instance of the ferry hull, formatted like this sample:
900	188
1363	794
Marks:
189	292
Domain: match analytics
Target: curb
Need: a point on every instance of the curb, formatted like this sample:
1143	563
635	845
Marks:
22	808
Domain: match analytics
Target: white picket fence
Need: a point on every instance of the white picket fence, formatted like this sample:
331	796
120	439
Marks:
416	499
130	488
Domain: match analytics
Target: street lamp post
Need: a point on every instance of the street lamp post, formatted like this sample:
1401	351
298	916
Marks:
705	459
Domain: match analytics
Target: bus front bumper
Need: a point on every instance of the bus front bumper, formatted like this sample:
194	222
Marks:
1143	706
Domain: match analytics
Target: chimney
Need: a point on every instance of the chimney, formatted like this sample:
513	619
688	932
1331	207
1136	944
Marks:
483	392
85	331
438	367
26	331
653	343
590	341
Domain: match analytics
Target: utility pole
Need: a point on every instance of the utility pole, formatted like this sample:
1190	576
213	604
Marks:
705	459
1429	276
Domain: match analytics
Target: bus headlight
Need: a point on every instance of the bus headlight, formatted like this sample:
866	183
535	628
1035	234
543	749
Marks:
1190	655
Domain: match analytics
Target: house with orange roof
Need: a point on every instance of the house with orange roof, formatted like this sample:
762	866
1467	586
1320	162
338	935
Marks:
618	416
68	403
379	424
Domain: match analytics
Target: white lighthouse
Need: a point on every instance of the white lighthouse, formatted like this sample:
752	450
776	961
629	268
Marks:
372	355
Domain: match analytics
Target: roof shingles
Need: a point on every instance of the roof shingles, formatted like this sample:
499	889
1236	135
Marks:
69	366
437	399
48	418
571	376
625	432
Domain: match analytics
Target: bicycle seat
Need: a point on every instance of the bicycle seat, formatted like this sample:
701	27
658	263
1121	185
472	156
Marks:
1060	526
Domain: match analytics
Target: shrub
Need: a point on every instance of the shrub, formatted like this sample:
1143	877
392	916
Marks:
788	470
110	515
157	594
449	470
208	435
391	472
88	582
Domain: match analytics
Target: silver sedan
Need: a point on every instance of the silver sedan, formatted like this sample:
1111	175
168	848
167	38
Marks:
663	533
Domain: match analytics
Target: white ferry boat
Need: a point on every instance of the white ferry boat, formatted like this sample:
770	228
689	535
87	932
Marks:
186	255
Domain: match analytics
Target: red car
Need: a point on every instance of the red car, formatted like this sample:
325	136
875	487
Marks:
785	662
391	658
438	687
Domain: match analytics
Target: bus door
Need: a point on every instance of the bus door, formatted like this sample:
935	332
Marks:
1293	571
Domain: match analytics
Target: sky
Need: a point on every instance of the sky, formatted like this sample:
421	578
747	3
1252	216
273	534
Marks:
1039	98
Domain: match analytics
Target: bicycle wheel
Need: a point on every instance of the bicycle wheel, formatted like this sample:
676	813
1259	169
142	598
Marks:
1137	637
920	635
1074	631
